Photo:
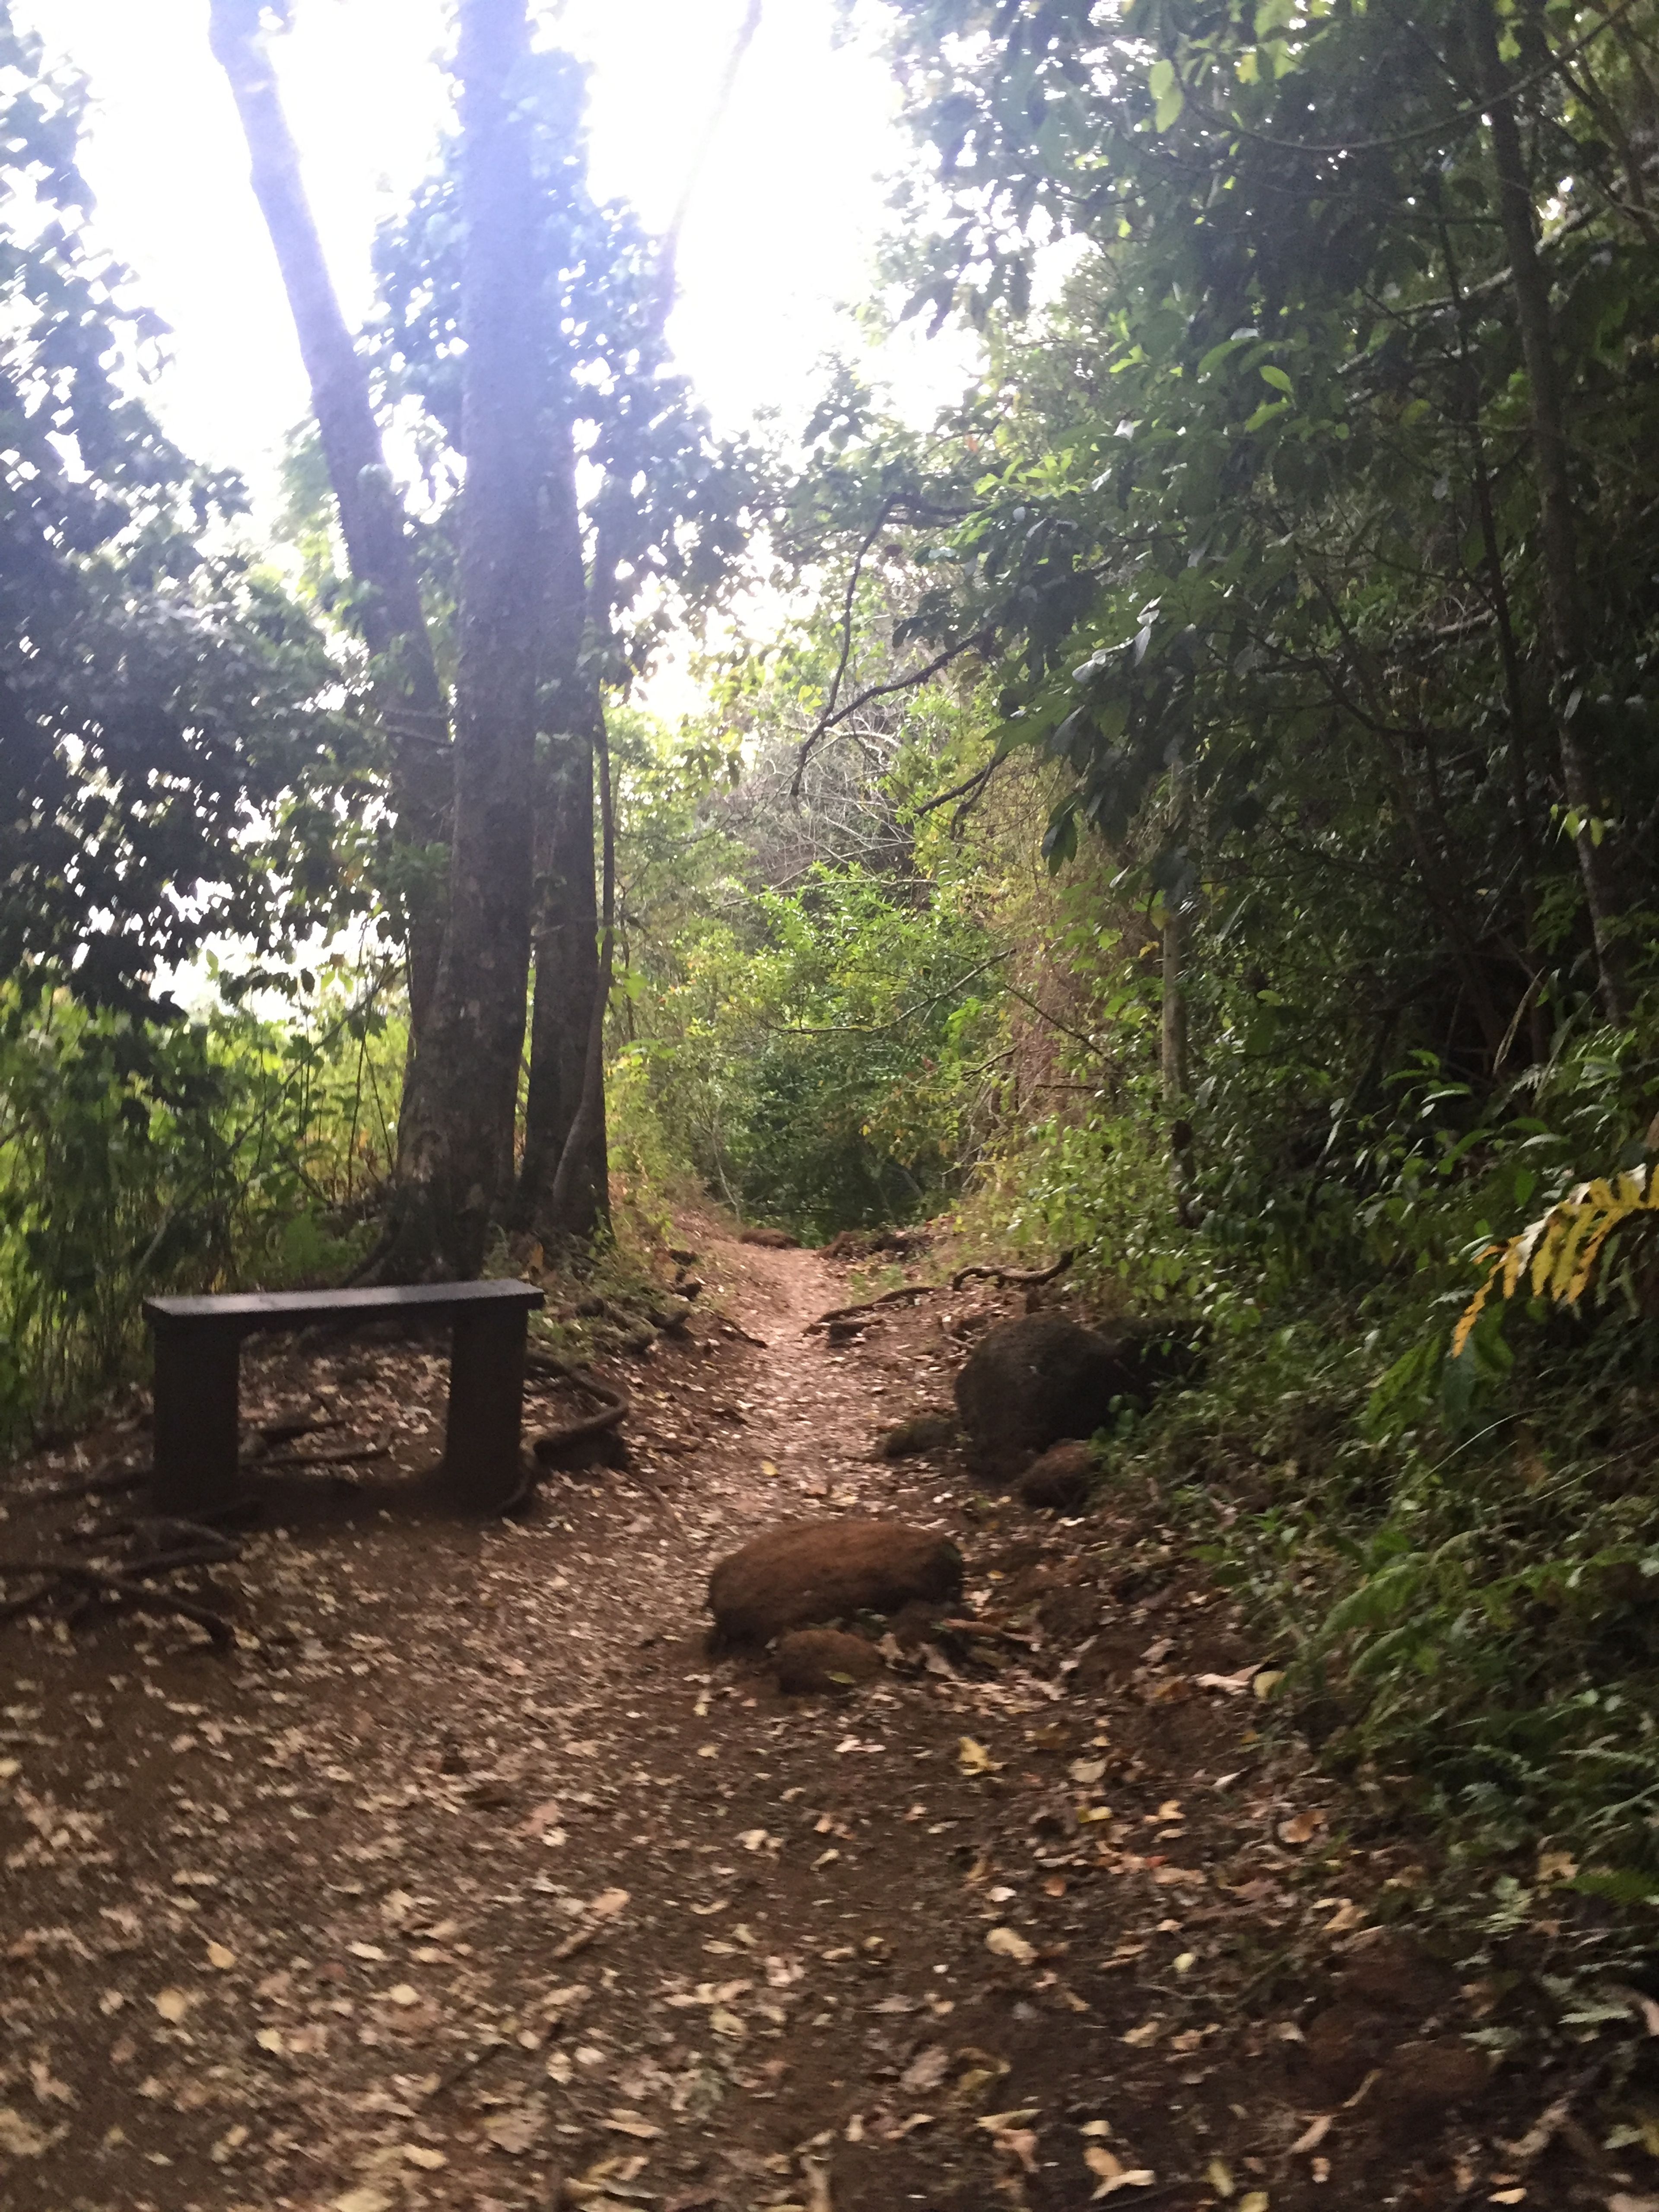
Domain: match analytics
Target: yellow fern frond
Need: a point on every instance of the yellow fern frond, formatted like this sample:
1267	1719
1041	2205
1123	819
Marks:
1559	1252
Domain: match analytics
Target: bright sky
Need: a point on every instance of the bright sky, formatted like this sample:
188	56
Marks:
780	234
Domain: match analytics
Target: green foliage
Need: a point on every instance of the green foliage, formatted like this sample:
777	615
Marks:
813	1065
209	1155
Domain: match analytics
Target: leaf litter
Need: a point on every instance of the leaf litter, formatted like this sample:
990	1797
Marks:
466	1874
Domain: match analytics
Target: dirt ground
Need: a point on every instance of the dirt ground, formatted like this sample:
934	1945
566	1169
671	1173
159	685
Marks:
468	1878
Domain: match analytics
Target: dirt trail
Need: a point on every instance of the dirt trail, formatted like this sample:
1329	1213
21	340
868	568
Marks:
471	1880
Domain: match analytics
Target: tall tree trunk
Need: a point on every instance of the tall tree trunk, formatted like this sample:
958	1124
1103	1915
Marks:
458	1162
371	521
1557	524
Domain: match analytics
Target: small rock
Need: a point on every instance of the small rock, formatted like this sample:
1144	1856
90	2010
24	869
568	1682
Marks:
1060	1480
931	1430
1391	1972
809	1660
806	1571
1343	2044
775	1240
1423	2080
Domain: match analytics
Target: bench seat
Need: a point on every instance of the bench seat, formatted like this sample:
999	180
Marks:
198	1435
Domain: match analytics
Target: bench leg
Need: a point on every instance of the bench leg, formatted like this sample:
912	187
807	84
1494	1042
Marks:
197	1437
486	1406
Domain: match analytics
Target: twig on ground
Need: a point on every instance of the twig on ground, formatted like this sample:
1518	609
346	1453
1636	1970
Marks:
115	1584
103	1484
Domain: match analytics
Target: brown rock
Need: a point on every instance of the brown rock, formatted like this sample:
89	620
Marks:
931	1430
1060	1480
805	1572
810	1660
775	1240
1027	1383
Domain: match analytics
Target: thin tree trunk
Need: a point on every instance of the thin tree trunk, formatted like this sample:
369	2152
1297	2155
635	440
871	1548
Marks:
1563	596
459	1146
567	947
590	1111
1526	832
1172	1054
564	1190
371	521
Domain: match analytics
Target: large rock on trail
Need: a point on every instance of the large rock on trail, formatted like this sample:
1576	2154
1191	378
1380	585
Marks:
1029	1382
803	1572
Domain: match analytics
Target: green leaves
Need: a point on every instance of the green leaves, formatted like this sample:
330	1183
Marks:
1167	94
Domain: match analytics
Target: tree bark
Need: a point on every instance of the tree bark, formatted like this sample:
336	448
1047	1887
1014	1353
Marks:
372	520
1558	522
460	1121
1172	1042
567	947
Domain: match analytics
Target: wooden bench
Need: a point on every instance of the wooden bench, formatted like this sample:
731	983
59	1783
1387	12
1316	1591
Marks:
198	1437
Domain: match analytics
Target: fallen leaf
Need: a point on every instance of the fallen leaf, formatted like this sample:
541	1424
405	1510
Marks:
403	1993
973	1757
1113	2174
996	2123
608	1904
1556	1866
1008	1943
363	2200
514	2131
1268	1681
1219	2175
17	2138
1147	2033
1313	2134
173	2004
631	2124
1020	2143
1507	2197
1230	1685
270	2039
365	1951
926	2070
219	1956
1301	1827
1086	1773
1257	2201
423	2155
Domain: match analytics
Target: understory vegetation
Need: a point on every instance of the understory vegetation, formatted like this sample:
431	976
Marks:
1199	809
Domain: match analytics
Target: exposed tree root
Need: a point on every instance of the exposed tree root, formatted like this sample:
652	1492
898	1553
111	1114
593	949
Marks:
1027	1278
615	1406
182	1544
871	1305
